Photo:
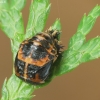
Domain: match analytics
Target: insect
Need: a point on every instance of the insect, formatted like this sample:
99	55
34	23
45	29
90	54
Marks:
36	56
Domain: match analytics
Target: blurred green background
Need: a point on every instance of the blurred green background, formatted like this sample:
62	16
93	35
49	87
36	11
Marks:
81	84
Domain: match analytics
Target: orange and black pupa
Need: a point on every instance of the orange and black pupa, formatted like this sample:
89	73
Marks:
36	56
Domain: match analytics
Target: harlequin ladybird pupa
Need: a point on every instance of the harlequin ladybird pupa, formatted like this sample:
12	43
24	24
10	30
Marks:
36	56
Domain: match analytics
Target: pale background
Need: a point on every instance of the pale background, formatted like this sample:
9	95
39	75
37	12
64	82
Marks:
81	84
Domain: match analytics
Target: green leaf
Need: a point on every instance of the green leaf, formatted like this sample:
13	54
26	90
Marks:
17	89
39	11
79	50
12	24
17	4
85	26
65	64
4	5
56	25
4	91
13	84
90	50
